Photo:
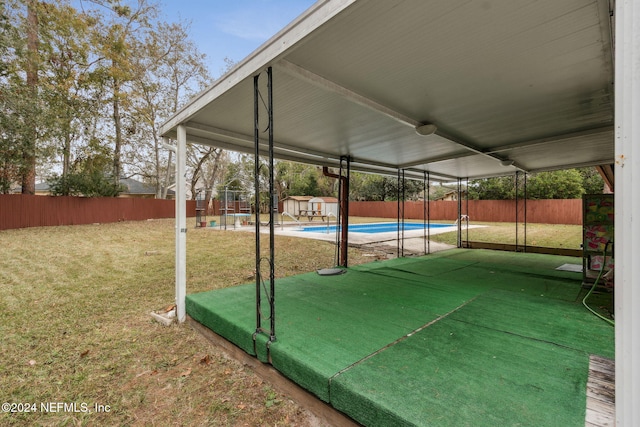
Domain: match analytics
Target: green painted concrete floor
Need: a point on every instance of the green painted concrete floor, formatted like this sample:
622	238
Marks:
456	338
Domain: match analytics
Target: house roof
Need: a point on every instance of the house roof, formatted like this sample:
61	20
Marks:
132	187
136	187
509	85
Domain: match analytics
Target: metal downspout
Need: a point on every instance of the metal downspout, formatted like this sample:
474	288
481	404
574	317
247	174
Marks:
344	209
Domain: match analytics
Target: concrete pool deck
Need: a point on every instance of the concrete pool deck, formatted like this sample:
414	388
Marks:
414	240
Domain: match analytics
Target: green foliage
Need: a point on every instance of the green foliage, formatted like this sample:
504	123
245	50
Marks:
297	179
86	183
382	188
592	182
10	165
499	188
560	184
89	176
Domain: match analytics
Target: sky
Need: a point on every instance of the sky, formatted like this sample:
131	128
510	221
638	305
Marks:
232	28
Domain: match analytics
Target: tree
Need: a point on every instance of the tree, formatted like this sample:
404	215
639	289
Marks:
383	188
67	79
89	175
32	65
592	182
22	114
296	179
560	184
199	156
498	188
108	74
11	159
170	71
115	46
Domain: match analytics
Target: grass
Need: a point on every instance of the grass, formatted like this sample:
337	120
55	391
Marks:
544	235
74	317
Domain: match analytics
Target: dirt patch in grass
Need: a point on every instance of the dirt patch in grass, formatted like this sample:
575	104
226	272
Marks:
74	317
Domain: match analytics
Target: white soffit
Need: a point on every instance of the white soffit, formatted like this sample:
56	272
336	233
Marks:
530	82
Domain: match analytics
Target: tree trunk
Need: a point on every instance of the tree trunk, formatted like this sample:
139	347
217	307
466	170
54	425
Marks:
29	150
117	122
212	177
66	151
167	177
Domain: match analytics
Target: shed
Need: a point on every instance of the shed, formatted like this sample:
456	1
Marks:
294	204
324	205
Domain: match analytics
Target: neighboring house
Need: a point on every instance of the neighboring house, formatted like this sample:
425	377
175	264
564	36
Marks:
453	195
132	188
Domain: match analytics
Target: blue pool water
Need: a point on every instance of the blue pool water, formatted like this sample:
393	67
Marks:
377	227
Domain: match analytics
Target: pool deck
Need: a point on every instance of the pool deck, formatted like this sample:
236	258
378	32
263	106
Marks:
413	239
461	337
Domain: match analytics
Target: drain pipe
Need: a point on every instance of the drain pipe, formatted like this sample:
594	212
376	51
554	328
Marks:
344	216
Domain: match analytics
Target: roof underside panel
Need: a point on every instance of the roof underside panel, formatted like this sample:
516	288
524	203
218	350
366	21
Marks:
527	83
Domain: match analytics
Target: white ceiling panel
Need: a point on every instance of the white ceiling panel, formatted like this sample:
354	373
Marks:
529	82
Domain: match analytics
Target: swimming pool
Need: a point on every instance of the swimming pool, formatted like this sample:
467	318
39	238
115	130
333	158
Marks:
375	227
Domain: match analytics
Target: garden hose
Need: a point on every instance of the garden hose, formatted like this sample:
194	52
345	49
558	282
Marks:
584	300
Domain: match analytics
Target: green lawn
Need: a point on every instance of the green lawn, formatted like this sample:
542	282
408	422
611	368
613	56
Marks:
74	317
544	235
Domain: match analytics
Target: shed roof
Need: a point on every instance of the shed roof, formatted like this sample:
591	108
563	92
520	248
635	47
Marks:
298	198
509	85
324	200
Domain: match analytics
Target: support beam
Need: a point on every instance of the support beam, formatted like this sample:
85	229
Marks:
326	84
627	215
181	224
229	140
319	81
605	132
607	174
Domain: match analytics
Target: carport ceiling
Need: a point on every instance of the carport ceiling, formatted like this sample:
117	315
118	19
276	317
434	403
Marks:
510	85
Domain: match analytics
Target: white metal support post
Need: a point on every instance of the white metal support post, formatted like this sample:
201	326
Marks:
627	211
181	224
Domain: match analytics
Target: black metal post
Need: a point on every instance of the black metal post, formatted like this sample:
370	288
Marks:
256	183
525	212
428	213
272	198
404	196
466	194
345	183
459	220
516	179
424	212
270	293
398	214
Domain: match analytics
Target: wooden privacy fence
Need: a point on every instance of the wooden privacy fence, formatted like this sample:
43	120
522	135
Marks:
21	211
562	211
